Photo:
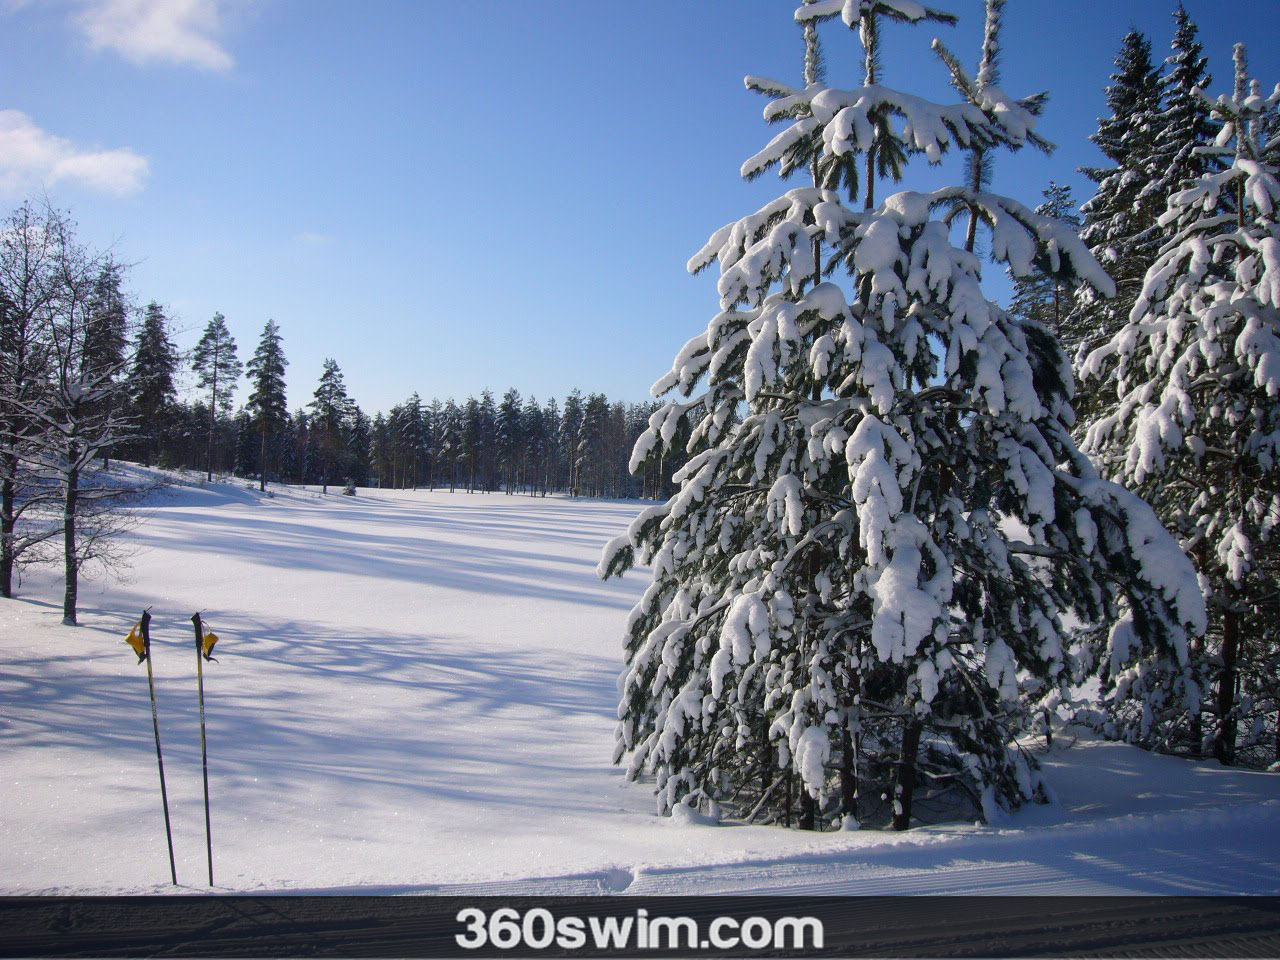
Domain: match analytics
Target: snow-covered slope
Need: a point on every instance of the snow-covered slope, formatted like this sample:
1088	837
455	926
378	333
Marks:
416	692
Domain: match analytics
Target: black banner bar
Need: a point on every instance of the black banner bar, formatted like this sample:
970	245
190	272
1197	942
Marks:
415	926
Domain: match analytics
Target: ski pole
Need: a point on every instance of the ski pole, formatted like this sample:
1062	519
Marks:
202	654
145	654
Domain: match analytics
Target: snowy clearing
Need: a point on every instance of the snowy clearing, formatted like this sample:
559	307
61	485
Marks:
416	693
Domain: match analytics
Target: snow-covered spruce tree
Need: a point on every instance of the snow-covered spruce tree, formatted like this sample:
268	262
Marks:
883	515
1119	220
1197	429
1183	127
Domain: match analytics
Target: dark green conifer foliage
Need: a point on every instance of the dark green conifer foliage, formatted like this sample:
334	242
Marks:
1184	127
107	337
360	448
330	419
151	379
218	370
247	443
1119	224
267	401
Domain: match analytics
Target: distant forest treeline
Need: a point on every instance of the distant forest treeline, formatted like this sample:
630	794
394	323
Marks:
579	446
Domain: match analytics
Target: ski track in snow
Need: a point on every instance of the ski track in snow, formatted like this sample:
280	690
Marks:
416	693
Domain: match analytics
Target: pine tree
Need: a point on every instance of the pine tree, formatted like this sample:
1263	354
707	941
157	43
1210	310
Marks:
360	447
267	400
411	432
381	450
1119	221
1197	431
487	441
535	444
1184	128
551	446
394	445
330	419
291	445
471	440
840	603
1041	297
151	379
308	450
571	437
247	454
510	438
451	440
589	454
107	337
215	363
434	438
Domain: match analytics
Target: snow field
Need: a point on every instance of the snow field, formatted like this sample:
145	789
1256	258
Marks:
417	691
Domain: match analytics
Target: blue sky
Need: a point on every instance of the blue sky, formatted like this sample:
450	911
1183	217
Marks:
451	196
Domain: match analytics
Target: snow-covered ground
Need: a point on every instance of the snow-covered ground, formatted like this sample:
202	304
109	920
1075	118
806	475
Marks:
416	692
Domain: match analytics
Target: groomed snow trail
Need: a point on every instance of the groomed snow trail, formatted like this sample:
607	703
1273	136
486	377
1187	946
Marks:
416	693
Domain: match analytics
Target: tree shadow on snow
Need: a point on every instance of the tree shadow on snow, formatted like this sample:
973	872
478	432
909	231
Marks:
506	570
298	707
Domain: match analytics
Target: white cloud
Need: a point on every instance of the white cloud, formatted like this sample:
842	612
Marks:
31	157
183	32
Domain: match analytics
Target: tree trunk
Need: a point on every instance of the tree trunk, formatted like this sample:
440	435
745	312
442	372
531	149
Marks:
1197	723
971	236
209	454
848	774
871	179
7	524
808	808
766	760
906	775
262	465
69	545
213	418
1224	743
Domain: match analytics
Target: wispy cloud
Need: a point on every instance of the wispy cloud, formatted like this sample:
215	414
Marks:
32	157
314	240
183	32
